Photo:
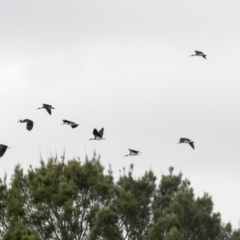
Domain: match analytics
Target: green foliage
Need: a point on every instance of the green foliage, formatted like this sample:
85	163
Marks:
226	232
175	207
66	197
174	234
20	232
106	226
235	235
80	200
132	204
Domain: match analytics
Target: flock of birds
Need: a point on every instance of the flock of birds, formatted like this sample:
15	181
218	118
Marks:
98	135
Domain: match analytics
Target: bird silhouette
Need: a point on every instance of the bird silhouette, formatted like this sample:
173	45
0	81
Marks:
3	149
132	153
200	54
29	123
47	107
186	140
72	124
98	135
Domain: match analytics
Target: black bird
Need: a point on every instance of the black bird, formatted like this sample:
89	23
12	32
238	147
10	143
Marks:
186	140
132	153
97	134
3	149
72	124
29	123
47	107
200	54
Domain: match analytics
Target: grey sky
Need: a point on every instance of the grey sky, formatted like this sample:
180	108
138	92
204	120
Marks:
125	66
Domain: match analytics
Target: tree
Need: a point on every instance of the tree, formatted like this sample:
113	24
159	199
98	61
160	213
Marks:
226	232
175	207
235	235
80	200
3	209
132	204
59	200
20	232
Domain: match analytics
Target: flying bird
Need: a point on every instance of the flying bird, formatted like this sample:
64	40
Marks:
47	107
3	149
132	153
72	124
98	135
29	123
186	140
200	54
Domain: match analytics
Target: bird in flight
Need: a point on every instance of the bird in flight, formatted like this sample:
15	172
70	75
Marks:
132	153
200	54
98	135
29	123
186	140
3	149
47	107
72	124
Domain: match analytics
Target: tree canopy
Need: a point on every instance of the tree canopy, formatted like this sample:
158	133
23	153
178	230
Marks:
66	200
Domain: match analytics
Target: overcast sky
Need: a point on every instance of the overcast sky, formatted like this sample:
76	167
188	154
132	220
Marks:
125	66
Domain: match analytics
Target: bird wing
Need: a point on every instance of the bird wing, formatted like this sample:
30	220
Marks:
48	110
95	133
135	151
198	52
191	144
74	125
29	125
101	132
46	105
66	121
3	149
